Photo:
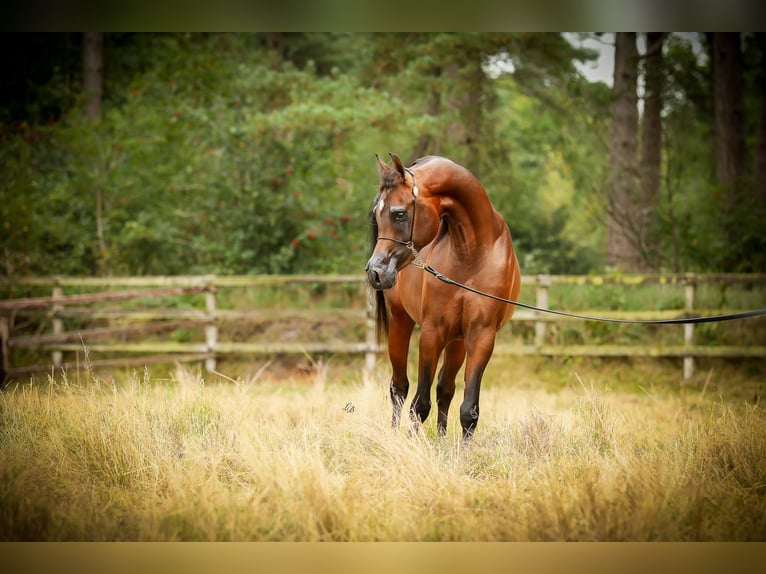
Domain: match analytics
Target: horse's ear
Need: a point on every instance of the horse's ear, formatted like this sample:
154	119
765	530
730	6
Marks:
398	165
382	167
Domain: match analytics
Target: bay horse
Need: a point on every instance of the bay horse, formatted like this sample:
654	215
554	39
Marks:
436	212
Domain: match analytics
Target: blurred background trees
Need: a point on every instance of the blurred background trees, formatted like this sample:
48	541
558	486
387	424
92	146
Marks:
254	153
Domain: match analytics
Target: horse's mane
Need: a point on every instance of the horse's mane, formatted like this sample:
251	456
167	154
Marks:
390	178
381	315
426	158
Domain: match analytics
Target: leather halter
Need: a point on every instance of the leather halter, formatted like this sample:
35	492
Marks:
409	243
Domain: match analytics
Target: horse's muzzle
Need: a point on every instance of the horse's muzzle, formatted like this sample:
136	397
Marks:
381	274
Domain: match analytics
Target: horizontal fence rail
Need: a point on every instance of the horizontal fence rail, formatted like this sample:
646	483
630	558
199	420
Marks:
95	340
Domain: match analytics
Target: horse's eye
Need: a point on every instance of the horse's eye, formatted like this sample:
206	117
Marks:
399	215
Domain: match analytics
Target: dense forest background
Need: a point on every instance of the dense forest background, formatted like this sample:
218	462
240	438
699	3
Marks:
126	154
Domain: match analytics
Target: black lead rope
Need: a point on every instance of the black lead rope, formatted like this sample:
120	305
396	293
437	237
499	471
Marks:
711	319
418	262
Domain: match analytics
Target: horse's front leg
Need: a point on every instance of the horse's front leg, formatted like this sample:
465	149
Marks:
431	346
454	355
399	333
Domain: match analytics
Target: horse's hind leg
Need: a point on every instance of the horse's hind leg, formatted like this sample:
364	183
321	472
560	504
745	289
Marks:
454	355
479	351
400	331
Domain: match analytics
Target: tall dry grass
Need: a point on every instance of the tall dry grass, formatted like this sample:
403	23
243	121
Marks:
307	459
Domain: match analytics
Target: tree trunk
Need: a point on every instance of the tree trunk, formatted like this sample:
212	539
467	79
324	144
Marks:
464	103
729	135
760	143
92	87
651	147
426	144
276	42
760	153
471	112
93	72
622	222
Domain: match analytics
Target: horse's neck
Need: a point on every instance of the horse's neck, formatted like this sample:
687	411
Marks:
469	217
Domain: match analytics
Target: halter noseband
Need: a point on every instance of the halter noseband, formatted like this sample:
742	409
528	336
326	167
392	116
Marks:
409	244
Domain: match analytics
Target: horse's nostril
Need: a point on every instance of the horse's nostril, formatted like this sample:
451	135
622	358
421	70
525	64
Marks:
376	275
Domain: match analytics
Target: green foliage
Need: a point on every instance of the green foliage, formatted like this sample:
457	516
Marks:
254	153
549	184
210	164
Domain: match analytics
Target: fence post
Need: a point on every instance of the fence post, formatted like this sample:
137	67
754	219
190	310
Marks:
211	328
689	288
370	339
58	325
543	283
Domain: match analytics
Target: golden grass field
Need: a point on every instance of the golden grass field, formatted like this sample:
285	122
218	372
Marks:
601	451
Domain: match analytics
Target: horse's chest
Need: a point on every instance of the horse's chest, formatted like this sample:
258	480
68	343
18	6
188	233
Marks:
431	304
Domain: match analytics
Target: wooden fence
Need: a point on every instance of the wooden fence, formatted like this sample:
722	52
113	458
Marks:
59	306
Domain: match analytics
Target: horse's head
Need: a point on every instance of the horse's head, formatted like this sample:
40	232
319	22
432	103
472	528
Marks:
402	218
